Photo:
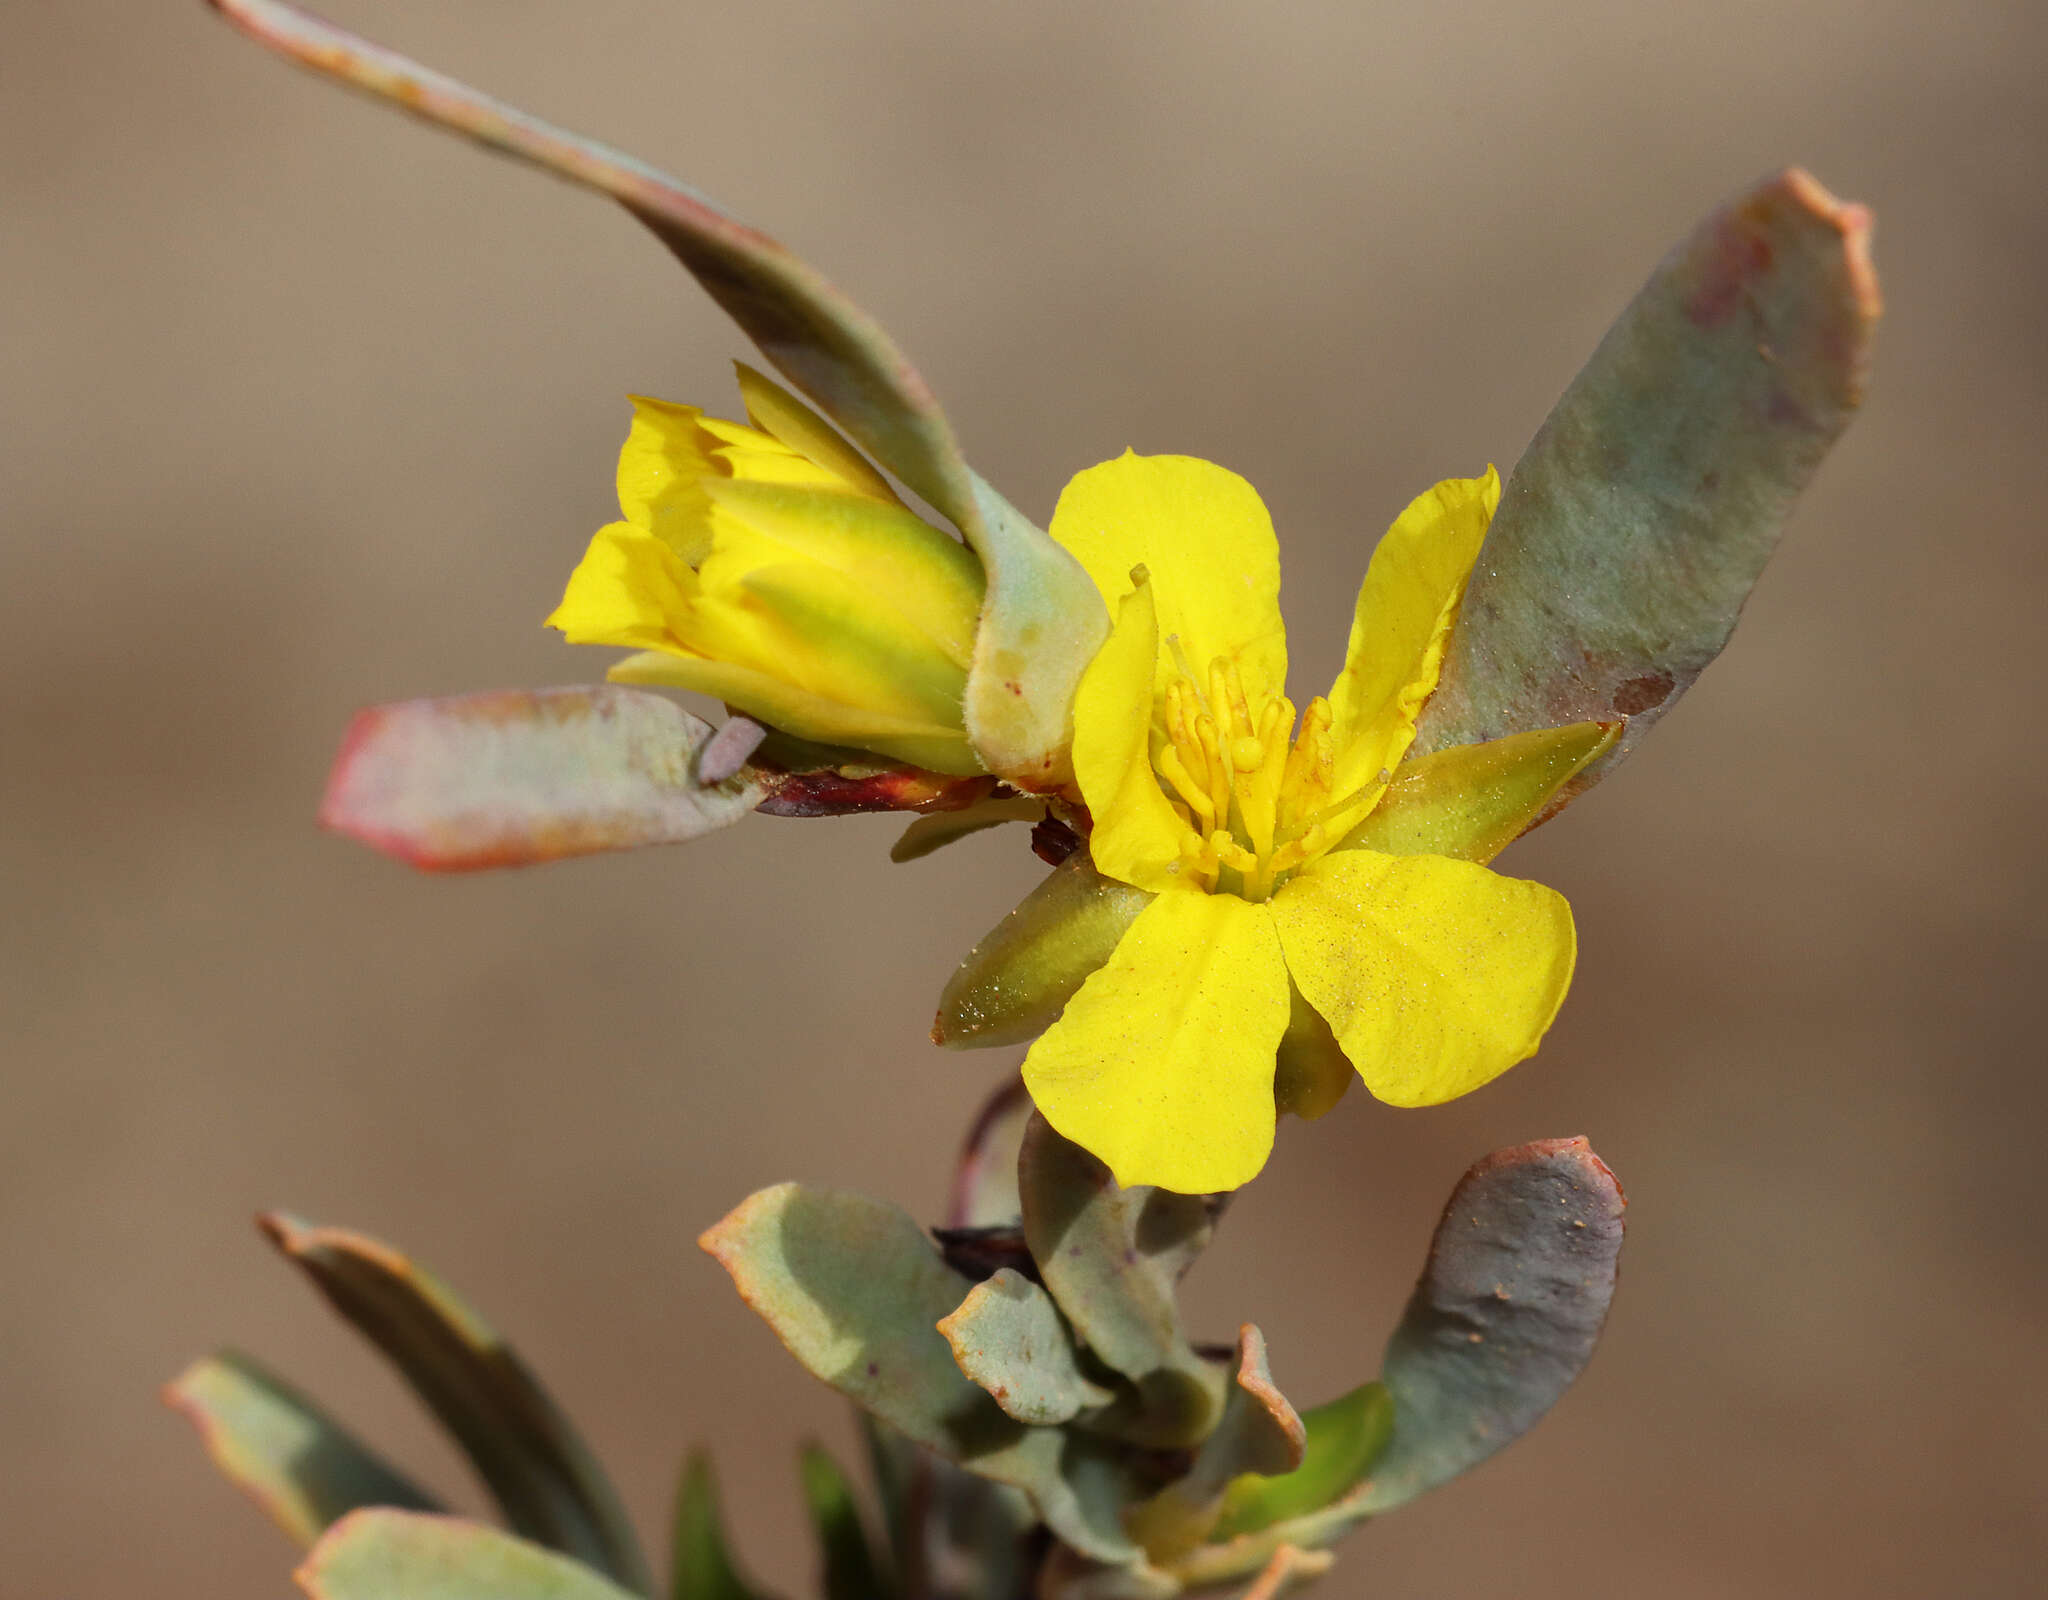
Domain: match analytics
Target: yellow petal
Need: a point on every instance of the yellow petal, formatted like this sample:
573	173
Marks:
816	628
774	410
1435	975
627	590
1472	801
662	468
1205	537
783	705
1162	1065
905	565
1401	623
1137	834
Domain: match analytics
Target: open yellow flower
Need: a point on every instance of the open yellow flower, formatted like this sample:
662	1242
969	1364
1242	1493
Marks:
772	567
1285	889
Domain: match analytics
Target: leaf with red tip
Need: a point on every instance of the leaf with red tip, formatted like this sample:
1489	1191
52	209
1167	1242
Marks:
515	777
1042	620
1509	1308
855	1291
1639	518
537	1467
299	1465
405	1555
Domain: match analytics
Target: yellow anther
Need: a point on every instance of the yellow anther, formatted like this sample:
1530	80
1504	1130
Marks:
1247	752
1175	772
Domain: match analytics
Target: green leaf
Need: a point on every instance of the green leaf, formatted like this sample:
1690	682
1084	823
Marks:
514	777
1007	1336
850	1569
298	1464
701	1565
1018	979
1042	620
1111	1258
1507	1313
408	1555
542	1475
1258	1432
1344	1438
855	1291
1634	526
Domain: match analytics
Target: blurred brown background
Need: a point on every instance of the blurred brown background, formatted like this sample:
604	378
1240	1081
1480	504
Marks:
306	407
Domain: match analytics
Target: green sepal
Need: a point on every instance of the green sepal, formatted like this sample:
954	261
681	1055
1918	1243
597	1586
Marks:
1014	984
1472	801
383	1554
850	1570
301	1467
942	828
537	1467
1344	1439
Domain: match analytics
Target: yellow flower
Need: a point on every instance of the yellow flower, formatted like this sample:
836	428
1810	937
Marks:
772	567
1287	887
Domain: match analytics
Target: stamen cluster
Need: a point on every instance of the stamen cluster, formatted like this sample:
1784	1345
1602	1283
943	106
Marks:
1257	806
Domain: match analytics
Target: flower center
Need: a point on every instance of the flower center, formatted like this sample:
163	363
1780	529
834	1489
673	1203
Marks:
1254	792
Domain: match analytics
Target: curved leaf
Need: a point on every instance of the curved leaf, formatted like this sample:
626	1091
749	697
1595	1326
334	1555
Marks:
1632	529
298	1464
526	1451
408	1555
1042	620
1509	1308
514	777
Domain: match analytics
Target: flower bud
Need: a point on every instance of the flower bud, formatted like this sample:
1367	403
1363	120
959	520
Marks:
770	566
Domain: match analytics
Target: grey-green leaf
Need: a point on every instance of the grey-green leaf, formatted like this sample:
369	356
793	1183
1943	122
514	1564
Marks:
514	777
1007	1336
953	1534
1632	529
526	1451
855	1291
1111	1258
297	1463
1509	1308
701	1566
850	1570
1014	984
409	1555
